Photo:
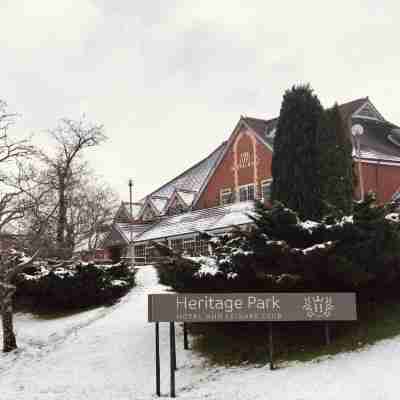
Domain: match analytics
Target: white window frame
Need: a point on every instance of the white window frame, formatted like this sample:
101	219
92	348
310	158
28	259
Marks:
189	245
225	192
266	182
247	191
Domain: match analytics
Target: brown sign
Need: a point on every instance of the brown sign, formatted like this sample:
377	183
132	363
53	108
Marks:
229	307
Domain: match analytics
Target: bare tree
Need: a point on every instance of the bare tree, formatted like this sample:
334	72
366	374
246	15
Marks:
71	138
12	263
39	199
12	207
12	151
91	211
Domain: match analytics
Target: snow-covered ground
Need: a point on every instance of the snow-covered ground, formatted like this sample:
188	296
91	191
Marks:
108	354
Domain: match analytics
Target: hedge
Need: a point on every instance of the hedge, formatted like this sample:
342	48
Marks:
72	286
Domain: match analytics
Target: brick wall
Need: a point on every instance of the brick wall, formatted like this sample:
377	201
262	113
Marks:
236	170
382	179
246	161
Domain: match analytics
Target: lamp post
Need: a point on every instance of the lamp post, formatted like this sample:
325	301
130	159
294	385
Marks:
357	131
131	217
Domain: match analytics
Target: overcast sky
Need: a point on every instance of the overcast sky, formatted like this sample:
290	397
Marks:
169	79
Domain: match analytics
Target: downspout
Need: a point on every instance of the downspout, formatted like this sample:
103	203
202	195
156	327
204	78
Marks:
377	182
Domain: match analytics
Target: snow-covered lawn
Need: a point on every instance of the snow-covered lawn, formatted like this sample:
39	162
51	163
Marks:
108	354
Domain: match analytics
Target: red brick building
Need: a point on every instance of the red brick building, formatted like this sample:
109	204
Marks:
218	192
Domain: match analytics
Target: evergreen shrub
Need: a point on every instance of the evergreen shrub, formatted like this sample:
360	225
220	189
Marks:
72	286
358	252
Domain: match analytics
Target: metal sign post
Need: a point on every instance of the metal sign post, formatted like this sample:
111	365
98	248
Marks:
172	357
271	348
185	337
158	391
327	334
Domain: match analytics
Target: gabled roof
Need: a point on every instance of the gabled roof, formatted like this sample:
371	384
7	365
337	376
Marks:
121	234
263	128
375	142
349	108
192	178
186	196
129	230
159	203
176	196
123	212
192	222
368	110
148	203
242	122
186	184
114	237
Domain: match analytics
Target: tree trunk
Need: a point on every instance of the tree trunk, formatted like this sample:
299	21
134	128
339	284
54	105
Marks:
62	217
69	241
9	341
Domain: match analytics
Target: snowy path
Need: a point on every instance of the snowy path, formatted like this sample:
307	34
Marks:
108	354
100	354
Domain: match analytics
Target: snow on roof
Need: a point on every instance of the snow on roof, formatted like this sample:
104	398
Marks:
159	203
193	178
187	197
127	230
208	219
375	142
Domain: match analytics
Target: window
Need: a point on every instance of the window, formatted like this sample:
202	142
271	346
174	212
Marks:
246	192
201	247
140	254
176	244
152	255
266	190
189	246
225	196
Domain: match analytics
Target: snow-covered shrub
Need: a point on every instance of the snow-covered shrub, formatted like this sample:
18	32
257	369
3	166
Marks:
73	286
359	252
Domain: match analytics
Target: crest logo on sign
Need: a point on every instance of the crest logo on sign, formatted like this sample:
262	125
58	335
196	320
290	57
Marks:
318	306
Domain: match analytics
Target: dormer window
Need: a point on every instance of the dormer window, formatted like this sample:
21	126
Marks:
225	196
176	205
148	214
266	190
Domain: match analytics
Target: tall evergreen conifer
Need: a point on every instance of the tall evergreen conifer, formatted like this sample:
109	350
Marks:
335	161
296	181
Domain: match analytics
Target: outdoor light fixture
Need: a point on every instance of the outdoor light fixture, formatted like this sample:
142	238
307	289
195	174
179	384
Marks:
357	131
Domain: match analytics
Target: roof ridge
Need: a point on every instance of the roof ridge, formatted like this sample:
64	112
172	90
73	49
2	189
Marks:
340	105
354	101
